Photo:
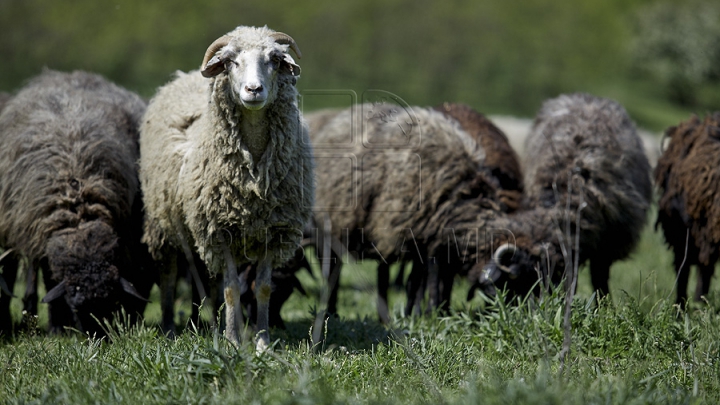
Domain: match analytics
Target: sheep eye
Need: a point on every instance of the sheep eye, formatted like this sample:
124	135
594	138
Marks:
275	61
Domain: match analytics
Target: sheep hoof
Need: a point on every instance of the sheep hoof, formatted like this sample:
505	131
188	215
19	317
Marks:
263	342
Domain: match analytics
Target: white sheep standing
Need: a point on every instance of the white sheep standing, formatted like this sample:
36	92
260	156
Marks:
226	167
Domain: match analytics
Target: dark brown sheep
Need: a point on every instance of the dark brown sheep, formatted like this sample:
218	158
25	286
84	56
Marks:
503	164
390	191
69	196
500	157
586	172
688	178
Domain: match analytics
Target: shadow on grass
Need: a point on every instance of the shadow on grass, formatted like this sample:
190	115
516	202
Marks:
338	333
351	334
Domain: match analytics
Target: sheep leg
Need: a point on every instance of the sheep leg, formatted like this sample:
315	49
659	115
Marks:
415	288
196	300
211	298
263	290
446	278
336	252
683	273
201	297
433	287
168	282
703	282
233	308
330	265
198	289
59	312
600	273
234	322
383	282
30	299
10	267
400	278
334	284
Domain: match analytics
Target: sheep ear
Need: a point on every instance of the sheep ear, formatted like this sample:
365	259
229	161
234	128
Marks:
214	67
214	61
54	293
289	66
129	288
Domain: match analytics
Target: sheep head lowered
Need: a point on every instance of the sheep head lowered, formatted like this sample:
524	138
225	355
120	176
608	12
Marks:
85	262
532	254
587	194
252	71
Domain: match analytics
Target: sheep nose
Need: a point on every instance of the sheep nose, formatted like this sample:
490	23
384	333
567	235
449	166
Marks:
254	89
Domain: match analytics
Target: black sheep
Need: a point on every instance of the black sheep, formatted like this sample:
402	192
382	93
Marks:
69	197
588	189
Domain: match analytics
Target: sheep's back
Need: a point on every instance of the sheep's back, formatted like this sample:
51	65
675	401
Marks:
397	172
688	178
593	142
318	119
500	158
69	154
176	109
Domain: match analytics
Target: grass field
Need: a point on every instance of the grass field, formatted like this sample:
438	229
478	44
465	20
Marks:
636	348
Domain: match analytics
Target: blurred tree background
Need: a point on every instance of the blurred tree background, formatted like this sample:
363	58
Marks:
661	59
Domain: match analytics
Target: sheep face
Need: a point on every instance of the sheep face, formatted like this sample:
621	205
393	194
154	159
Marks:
84	262
253	76
518	270
252	70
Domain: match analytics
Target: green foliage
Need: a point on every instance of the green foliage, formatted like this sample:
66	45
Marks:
636	348
679	44
620	354
499	57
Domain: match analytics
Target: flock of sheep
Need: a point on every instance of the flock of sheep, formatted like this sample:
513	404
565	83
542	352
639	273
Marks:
221	173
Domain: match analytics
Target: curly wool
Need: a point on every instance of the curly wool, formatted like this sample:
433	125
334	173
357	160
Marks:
199	176
586	172
419	173
500	158
69	191
688	177
588	148
61	162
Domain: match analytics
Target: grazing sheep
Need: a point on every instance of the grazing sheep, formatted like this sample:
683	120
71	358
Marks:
226	167
500	158
688	177
517	130
583	160
69	197
503	164
390	193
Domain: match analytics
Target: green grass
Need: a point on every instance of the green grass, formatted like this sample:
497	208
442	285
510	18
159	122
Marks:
634	349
